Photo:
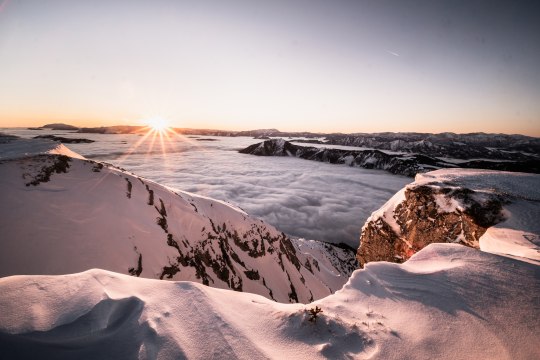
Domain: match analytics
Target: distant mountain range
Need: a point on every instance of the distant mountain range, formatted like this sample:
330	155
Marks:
408	164
399	153
451	145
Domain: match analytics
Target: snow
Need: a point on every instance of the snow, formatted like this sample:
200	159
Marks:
518	235
446	302
447	204
386	212
514	184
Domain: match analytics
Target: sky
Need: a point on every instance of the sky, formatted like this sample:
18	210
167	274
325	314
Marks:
295	65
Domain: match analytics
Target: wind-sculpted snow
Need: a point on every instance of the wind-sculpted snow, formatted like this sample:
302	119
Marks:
490	210
61	215
408	164
446	302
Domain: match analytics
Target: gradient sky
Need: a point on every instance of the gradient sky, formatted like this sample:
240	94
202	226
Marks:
332	66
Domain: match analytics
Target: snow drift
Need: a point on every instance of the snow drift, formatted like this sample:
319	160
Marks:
447	302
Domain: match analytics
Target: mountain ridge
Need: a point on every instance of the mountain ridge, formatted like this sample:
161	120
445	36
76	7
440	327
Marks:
396	163
84	214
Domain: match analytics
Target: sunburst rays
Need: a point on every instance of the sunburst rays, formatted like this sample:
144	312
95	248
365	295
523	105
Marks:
166	138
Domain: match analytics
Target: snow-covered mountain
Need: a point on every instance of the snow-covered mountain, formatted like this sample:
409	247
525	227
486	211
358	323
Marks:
408	164
447	302
461	146
491	210
62	214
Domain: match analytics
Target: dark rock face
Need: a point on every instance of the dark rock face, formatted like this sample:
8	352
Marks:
429	214
52	164
400	164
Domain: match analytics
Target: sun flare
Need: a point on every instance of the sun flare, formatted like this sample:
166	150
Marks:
158	124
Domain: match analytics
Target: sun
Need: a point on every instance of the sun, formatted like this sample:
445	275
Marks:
158	124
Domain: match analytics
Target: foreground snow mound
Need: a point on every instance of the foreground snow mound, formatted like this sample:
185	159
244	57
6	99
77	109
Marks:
61	215
447	302
495	211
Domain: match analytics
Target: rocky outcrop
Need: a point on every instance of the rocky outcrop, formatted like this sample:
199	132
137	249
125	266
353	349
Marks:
428	215
447	207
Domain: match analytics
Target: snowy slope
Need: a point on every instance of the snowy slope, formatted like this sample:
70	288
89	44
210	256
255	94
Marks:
447	302
62	215
494	211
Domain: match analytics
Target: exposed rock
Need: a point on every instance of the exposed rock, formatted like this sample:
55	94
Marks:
52	164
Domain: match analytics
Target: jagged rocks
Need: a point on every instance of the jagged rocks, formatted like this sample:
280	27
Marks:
53	164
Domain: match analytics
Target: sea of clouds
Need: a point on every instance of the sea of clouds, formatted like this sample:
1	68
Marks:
302	198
